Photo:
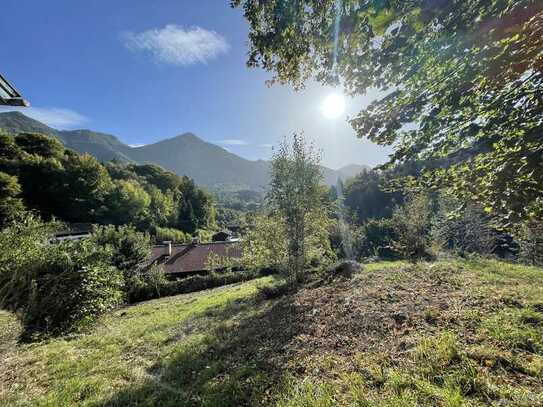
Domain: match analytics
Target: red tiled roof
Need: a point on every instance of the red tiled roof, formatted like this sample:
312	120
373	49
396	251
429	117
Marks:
190	258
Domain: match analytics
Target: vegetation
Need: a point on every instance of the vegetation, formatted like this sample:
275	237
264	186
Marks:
461	84
445	333
446	323
296	199
55	288
40	173
366	197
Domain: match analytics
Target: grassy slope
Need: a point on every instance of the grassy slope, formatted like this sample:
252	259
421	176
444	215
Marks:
449	333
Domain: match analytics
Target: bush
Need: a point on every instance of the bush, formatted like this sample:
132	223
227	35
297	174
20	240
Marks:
72	288
377	239
186	285
169	234
411	224
55	288
530	238
463	229
146	283
129	248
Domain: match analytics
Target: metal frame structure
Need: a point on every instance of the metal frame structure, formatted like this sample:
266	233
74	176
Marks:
9	95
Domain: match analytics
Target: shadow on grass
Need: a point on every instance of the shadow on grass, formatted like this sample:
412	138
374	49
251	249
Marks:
230	356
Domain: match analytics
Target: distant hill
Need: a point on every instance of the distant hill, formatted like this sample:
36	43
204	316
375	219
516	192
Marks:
352	170
104	147
208	164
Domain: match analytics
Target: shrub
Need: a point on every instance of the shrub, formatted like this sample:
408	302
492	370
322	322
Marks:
54	288
530	238
411	224
463	228
377	239
146	283
72	288
170	234
186	285
129	248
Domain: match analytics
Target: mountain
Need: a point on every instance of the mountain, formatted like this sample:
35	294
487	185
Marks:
104	147
208	164
352	170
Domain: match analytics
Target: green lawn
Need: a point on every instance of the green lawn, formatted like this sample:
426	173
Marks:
447	333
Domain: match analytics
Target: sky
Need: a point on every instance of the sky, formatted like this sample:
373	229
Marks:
146	70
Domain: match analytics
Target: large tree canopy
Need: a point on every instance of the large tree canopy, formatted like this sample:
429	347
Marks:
462	79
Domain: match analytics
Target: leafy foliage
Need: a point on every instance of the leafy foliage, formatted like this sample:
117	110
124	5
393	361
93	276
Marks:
411	224
129	248
463	229
55	287
10	203
265	244
530	236
461	83
297	199
378	238
367	198
77	188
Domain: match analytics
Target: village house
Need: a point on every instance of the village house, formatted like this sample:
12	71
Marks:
181	260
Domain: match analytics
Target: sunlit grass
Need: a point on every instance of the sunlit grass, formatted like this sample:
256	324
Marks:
207	348
118	353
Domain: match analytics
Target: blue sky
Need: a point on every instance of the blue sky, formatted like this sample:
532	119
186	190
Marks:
148	70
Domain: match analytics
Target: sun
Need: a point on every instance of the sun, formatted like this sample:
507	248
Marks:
333	106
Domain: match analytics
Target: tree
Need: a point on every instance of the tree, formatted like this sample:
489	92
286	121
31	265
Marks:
39	144
10	203
411	225
129	248
463	228
86	184
9	150
366	197
265	245
295	197
196	209
128	203
461	83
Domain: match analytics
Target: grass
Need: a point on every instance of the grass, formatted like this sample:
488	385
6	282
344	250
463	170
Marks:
452	333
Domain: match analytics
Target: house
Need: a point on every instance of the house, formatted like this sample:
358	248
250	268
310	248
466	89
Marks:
222	236
179	260
74	231
9	96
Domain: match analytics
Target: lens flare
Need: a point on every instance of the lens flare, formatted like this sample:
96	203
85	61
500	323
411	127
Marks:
333	106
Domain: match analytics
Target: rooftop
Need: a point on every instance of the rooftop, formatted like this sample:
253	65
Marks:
192	258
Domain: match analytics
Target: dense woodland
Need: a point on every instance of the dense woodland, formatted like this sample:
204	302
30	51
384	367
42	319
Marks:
38	173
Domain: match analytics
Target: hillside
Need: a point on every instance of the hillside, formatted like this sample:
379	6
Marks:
449	333
208	164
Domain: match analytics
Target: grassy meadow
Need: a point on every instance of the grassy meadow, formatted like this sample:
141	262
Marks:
448	333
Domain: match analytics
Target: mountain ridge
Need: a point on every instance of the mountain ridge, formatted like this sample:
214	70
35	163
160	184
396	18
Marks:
187	154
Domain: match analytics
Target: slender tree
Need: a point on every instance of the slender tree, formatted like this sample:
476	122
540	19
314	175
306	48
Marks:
295	196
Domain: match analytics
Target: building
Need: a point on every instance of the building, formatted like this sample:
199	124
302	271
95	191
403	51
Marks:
222	236
179	260
74	231
9	96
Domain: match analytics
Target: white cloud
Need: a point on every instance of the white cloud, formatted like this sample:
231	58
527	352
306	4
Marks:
233	142
58	118
265	145
176	45
136	145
